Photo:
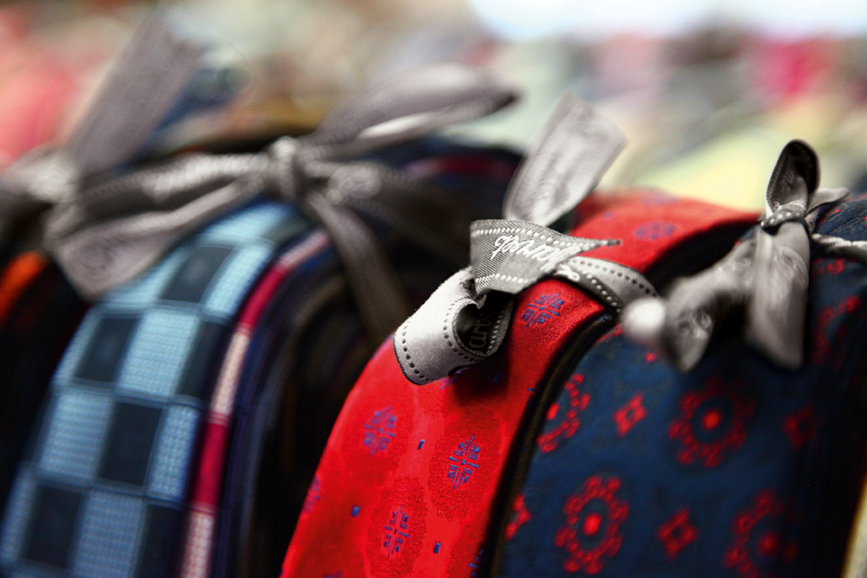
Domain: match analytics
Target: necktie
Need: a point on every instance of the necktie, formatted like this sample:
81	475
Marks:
38	326
410	480
215	438
736	468
328	353
103	491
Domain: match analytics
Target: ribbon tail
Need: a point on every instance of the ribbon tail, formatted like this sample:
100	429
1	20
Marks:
98	258
613	284
453	329
838	246
776	311
375	286
416	208
681	326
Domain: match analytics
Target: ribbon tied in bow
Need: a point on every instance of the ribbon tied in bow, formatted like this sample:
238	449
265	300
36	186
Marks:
108	231
766	276
468	316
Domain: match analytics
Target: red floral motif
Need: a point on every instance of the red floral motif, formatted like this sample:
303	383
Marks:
828	266
649	357
756	542
800	427
629	415
578	401
677	533
708	409
592	534
822	346
521	517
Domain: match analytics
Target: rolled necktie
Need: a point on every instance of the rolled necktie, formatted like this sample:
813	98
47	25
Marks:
737	467
766	277
303	359
103	489
207	481
412	477
299	285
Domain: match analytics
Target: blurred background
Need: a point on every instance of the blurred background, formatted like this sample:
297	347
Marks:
707	92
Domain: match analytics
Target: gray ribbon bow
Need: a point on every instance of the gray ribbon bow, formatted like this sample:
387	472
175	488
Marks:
144	83
110	232
766	276
467	318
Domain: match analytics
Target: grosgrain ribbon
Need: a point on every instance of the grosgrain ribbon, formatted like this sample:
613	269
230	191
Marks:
766	276
113	231
142	87
467	318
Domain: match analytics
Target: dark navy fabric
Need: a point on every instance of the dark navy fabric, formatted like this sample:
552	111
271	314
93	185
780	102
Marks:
737	468
32	340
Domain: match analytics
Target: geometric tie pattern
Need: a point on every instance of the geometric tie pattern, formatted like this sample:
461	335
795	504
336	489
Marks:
736	468
306	353
102	490
410	481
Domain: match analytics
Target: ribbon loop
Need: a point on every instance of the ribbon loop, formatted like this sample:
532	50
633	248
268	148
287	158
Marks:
410	105
766	275
467	318
113	230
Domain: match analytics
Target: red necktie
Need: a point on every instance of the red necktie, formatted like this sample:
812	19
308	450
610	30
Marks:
410	475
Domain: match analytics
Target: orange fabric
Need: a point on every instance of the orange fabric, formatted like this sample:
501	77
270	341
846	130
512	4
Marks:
17	277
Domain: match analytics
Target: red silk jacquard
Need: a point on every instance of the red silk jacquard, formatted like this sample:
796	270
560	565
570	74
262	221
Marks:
410	473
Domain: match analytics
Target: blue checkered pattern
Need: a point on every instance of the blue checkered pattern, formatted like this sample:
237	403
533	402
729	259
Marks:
102	490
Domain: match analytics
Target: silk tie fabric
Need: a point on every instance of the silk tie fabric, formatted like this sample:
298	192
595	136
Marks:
38	326
103	491
327	356
411	476
736	468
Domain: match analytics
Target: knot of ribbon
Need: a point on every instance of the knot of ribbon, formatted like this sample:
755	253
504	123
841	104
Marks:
108	231
765	276
467	317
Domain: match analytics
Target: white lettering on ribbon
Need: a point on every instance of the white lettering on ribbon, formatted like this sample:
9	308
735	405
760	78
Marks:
541	252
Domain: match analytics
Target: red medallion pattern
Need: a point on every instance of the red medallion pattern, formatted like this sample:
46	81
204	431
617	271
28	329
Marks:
758	541
578	401
592	529
711	424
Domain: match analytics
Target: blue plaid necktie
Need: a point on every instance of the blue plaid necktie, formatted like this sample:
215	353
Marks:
102	491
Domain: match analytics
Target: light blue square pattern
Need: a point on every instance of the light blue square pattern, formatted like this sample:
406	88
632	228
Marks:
158	352
168	473
75	438
18	510
146	289
248	225
235	277
107	547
